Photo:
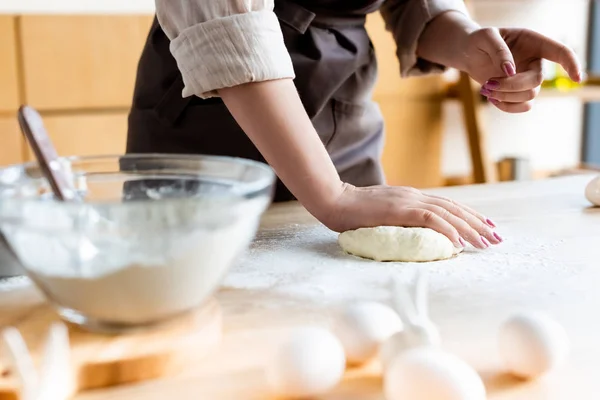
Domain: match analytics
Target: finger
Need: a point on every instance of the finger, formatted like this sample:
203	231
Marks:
561	54
468	209
511	97
513	108
491	42
418	217
480	227
461	226
522	81
557	52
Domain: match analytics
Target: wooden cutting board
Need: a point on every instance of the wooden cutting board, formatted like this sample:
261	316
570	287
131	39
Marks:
101	360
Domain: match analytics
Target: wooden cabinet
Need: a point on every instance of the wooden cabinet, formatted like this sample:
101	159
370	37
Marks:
9	87
413	147
412	109
81	62
78	71
87	134
11	142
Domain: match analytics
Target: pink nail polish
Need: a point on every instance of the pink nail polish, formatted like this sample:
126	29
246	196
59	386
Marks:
490	223
492	84
485	92
485	242
462	242
509	69
498	237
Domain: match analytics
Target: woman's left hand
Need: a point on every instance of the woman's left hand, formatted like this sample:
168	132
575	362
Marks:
508	64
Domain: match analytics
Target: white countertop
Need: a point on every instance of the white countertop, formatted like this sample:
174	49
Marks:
295	273
76	6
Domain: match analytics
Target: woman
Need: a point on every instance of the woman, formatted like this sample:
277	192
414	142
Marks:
289	82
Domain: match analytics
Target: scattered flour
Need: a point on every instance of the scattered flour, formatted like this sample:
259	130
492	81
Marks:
549	262
542	261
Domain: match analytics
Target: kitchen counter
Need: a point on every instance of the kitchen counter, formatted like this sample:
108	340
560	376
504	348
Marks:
295	274
76	7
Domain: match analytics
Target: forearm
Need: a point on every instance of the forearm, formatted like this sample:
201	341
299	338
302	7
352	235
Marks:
443	39
274	118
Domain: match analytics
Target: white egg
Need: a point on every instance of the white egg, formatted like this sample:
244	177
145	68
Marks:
411	337
428	373
362	328
532	344
309	363
592	191
390	349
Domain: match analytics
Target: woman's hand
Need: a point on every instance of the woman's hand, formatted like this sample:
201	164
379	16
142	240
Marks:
273	117
508	63
406	206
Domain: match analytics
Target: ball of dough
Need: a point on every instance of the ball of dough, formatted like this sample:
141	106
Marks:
309	363
362	327
426	373
394	243
592	191
532	344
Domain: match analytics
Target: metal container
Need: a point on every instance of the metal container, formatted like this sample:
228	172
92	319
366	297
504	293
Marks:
514	169
9	264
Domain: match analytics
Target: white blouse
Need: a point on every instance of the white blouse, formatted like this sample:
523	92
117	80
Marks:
225	43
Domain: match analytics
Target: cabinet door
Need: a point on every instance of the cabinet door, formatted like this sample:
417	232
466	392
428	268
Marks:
11	141
81	61
88	134
389	81
412	110
413	149
9	95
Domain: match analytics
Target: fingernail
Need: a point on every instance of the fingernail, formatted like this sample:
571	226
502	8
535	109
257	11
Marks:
485	242
485	92
493	101
498	237
492	84
509	68
490	223
462	242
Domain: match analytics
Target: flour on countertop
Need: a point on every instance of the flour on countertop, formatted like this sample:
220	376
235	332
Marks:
308	263
549	262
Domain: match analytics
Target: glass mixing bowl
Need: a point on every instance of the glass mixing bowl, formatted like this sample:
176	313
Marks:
152	237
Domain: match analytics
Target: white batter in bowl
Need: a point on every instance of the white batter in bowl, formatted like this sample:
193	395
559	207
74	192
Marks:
153	238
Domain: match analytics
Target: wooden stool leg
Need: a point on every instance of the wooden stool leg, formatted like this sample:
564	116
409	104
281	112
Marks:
483	169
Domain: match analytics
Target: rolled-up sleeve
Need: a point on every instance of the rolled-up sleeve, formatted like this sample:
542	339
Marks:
224	43
407	19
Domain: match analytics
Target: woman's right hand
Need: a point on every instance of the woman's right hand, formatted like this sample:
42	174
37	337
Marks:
274	118
358	207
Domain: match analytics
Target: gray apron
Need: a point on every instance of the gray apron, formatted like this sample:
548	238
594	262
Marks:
335	68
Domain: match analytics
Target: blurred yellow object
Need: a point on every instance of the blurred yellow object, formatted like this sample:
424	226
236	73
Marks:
560	80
